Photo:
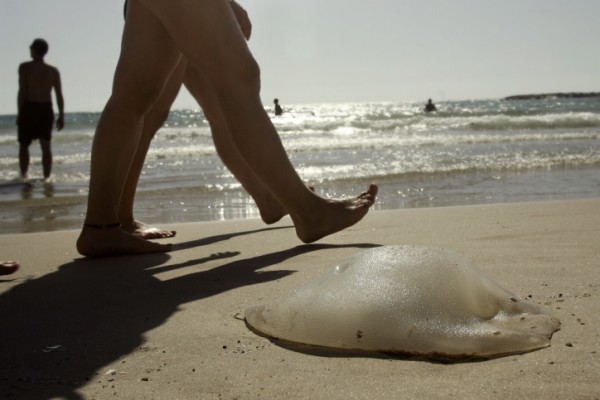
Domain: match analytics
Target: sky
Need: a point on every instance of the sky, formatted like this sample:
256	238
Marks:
319	51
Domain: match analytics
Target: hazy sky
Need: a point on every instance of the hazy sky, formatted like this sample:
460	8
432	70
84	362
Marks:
339	50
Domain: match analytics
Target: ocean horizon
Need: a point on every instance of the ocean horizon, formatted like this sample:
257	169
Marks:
469	152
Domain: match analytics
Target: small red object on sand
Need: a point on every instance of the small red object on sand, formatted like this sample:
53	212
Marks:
8	267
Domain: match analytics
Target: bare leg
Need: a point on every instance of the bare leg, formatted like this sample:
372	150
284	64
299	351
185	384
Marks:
153	120
269	207
46	157
146	62
220	52
24	159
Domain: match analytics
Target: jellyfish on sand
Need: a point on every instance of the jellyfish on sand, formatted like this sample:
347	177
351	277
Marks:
407	300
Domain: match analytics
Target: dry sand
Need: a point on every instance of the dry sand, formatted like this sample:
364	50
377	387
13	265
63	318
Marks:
168	327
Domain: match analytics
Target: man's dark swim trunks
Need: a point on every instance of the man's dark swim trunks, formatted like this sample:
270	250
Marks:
35	122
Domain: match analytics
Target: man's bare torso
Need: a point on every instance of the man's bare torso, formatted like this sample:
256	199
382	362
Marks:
37	80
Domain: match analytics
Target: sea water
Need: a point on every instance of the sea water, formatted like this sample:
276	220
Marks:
469	152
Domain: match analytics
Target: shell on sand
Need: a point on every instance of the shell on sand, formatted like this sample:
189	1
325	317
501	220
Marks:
409	300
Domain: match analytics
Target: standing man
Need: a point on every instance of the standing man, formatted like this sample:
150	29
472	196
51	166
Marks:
35	115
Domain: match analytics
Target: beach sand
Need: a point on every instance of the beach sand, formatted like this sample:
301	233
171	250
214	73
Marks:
168	326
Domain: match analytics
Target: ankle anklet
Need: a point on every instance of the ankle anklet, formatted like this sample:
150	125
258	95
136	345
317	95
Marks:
103	226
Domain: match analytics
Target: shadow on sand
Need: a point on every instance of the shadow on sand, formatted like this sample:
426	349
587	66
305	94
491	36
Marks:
58	330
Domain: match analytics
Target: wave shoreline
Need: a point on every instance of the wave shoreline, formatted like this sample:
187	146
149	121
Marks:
469	152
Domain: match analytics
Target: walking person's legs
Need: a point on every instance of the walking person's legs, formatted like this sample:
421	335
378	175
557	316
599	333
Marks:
207	34
147	60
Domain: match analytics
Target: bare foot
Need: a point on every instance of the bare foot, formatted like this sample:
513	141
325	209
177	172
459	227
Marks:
138	228
8	267
272	211
110	241
334	215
